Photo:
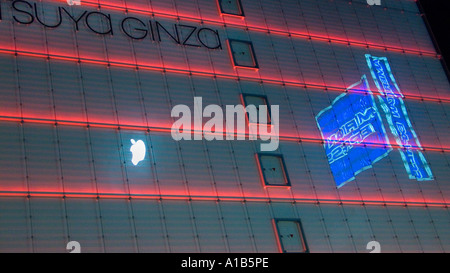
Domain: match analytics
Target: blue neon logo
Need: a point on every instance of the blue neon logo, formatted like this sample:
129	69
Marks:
353	131
351	121
391	99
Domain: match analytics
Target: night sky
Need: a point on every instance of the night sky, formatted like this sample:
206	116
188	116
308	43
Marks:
437	13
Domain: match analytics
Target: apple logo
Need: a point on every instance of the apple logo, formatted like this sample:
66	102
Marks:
138	151
374	2
74	2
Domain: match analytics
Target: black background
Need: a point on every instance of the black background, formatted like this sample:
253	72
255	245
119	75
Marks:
437	14
170	263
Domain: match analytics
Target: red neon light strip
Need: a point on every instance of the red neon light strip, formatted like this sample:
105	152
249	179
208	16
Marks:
48	194
203	73
278	238
134	127
251	27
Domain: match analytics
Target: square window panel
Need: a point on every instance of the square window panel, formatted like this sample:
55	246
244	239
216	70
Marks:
290	235
273	170
230	7
242	54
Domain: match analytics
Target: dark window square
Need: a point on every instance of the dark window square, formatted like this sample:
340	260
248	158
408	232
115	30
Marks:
290	235
242	54
273	170
231	7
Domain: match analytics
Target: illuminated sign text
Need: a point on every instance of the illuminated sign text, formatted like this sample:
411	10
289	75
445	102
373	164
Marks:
134	28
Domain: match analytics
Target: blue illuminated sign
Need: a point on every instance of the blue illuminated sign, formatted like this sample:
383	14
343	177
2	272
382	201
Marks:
399	124
351	121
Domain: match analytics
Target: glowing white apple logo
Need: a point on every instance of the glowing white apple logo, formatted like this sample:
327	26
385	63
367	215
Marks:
374	2
74	2
138	151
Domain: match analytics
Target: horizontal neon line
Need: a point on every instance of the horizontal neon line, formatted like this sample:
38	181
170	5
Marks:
46	194
193	131
204	73
251	27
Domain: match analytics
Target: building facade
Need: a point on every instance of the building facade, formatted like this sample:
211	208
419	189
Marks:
363	117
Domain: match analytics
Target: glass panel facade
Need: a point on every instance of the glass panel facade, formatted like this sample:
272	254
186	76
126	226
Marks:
87	94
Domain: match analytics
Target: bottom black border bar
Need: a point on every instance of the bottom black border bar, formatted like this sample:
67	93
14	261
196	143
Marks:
226	262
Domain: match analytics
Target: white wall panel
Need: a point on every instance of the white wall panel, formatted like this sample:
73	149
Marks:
297	168
117	226
78	171
15	225
439	164
247	169
56	38
262	228
239	234
167	166
35	94
148	220
12	158
223	169
383	229
98	94
303	113
405	230
272	14
284	210
42	158
109	169
332	20
89	44
322	178
9	97
338	231
314	228
49	227
209	227
117	46
127	97
441	221
359	226
195	168
207	9
276	96
425	229
85	225
67	93
156	103
180	227
313	18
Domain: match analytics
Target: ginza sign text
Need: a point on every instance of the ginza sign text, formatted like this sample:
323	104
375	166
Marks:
135	28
